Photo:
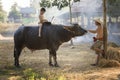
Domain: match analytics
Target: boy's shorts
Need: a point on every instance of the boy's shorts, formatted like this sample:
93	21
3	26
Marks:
97	44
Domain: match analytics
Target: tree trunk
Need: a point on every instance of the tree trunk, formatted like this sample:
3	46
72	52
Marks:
104	27
70	11
82	20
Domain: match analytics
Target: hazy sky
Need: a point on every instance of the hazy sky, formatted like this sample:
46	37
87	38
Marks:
8	3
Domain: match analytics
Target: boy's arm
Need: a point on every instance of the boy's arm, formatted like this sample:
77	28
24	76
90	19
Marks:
93	31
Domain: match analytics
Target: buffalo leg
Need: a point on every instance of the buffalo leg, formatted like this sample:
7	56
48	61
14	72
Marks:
16	56
50	58
55	59
53	55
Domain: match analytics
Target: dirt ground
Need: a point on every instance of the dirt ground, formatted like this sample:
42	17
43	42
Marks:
74	63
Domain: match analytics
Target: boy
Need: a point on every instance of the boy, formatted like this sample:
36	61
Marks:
41	19
98	40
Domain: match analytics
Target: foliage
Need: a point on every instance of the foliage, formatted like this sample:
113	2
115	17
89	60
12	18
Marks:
2	16
2	13
113	7
29	74
45	3
59	3
14	13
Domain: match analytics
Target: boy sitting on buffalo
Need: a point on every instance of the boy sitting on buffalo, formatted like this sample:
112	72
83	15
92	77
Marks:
41	20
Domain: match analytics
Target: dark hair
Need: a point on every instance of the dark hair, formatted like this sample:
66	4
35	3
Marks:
43	9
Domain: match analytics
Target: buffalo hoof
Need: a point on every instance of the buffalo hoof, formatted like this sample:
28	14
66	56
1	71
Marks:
17	66
51	65
56	65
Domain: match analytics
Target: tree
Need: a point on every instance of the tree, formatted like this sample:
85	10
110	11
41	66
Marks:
105	26
60	4
113	6
2	13
45	3
14	13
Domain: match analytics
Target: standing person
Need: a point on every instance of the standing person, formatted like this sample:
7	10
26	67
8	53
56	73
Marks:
98	40
41	20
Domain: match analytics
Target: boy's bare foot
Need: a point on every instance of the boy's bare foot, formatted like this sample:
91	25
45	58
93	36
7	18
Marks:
94	64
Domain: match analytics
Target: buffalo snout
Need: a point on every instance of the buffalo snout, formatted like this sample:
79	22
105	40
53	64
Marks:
80	31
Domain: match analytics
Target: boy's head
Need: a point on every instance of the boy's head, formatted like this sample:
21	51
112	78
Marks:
42	10
98	22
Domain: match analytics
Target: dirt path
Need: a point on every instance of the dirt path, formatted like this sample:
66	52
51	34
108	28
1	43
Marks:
74	62
5	38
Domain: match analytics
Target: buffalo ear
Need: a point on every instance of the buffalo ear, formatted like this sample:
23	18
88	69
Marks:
68	28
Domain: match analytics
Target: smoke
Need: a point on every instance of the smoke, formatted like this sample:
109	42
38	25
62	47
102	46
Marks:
93	9
114	32
91	6
88	9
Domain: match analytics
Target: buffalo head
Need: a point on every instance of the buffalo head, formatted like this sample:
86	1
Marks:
76	29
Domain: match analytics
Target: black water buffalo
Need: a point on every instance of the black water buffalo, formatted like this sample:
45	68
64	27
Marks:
52	36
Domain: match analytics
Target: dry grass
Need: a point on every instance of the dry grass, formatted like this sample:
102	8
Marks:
74	65
112	56
5	26
112	44
108	63
113	53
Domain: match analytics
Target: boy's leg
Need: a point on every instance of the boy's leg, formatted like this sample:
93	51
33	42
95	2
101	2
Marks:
97	48
97	59
40	28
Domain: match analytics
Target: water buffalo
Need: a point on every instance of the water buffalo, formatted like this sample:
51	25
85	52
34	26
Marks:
52	36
